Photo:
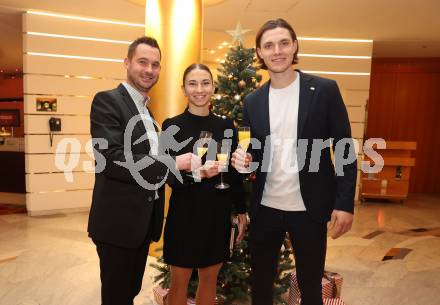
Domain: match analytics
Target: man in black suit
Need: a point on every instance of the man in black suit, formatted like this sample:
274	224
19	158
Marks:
128	199
296	190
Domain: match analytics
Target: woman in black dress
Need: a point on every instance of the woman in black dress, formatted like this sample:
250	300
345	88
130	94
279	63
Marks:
197	230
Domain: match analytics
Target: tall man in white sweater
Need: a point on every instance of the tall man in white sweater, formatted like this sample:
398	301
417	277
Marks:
297	118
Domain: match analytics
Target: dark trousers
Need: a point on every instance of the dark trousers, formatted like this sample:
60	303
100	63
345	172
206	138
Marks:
309	240
122	271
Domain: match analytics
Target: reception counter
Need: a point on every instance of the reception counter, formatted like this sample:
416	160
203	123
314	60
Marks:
12	164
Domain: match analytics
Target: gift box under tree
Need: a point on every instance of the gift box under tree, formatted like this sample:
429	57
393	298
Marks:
331	287
161	293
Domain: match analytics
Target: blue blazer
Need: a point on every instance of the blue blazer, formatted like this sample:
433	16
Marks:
321	115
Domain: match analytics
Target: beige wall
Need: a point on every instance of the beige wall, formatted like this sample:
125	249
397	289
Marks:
73	82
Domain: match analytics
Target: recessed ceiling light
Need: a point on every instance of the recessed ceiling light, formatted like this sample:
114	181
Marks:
220	47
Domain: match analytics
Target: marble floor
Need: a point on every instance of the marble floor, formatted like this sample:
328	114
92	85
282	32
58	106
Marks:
390	257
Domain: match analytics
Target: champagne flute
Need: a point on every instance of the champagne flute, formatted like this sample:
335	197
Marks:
202	145
222	157
244	137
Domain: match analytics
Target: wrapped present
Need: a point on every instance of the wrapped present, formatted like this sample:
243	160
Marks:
336	280
161	293
331	287
332	301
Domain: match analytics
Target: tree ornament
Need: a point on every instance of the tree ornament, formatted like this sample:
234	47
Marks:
242	84
237	97
238	34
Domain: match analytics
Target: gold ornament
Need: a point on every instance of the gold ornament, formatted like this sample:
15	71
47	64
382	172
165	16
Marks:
242	84
230	76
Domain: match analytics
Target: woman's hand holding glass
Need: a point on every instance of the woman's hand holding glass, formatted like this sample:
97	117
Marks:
210	169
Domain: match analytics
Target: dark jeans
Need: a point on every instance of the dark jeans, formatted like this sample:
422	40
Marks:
122	271
309	240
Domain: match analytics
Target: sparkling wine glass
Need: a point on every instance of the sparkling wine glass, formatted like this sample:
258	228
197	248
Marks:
222	158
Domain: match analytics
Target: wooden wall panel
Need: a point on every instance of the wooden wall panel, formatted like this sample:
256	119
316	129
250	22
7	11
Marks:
356	114
71	66
52	202
55	85
58	181
355	97
73	82
38	124
335	48
334	64
404	106
69	105
61	26
45	163
40	144
75	47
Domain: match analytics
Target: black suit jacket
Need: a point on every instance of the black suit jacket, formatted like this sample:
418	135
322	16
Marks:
122	212
321	115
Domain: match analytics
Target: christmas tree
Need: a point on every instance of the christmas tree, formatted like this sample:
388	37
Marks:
237	77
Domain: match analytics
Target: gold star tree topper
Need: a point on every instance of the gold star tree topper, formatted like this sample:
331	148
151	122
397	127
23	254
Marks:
238	33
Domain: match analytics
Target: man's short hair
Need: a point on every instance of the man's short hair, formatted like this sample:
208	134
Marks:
146	40
270	25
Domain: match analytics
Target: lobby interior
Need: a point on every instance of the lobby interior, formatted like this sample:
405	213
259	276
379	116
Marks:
385	57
